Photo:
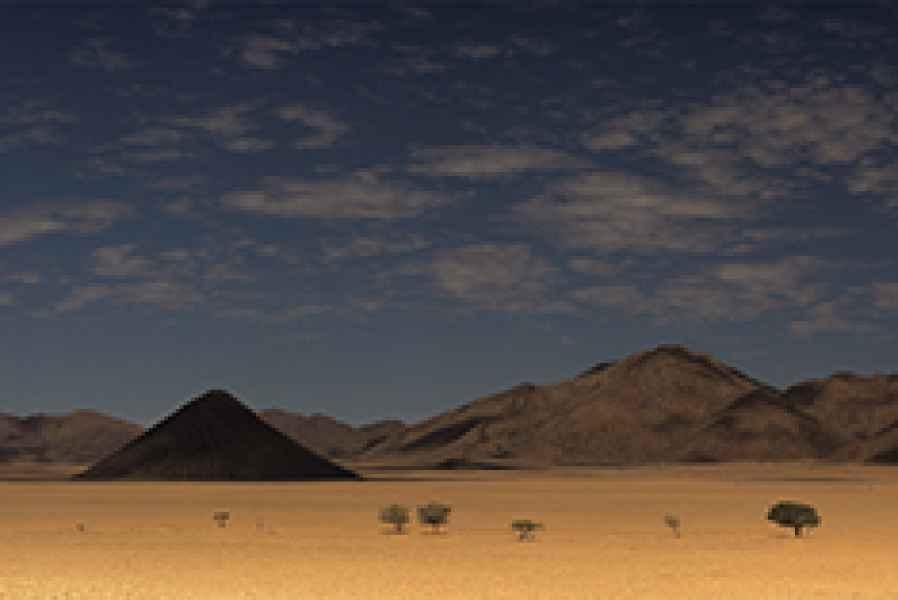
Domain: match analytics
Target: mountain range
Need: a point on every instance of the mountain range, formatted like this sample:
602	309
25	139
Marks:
667	404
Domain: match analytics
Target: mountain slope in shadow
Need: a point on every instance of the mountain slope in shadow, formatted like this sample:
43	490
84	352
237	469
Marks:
214	438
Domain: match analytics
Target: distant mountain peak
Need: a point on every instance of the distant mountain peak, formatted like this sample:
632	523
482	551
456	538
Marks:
683	354
597	368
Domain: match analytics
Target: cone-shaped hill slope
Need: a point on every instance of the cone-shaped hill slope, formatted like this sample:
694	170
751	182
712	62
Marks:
644	408
214	438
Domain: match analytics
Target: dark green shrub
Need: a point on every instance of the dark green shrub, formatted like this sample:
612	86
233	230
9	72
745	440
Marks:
395	515
795	515
434	514
526	529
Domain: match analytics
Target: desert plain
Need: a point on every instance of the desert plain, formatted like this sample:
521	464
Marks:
604	536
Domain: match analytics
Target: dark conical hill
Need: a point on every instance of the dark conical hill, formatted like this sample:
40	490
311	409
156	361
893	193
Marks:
215	438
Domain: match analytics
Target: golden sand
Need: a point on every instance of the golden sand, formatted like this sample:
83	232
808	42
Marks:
605	537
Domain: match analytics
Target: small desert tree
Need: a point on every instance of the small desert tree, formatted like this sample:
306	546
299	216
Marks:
673	521
525	528
395	515
796	515
434	514
221	517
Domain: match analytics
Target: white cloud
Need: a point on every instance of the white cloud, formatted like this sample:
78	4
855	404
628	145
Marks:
785	278
227	121
885	295
483	161
153	136
81	297
592	266
614	211
826	317
32	122
177	18
178	182
766	141
95	53
533	45
611	140
167	295
119	261
627	297
327	128
477	51
507	277
335	33
248	145
413	60
266	52
170	279
362	195
23	277
155	155
271	51
636	127
725	292
881	180
367	247
25	224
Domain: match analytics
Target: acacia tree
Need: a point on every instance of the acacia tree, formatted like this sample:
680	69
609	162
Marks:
221	517
395	515
673	521
434	514
796	515
526	529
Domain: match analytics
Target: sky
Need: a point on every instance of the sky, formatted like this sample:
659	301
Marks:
379	210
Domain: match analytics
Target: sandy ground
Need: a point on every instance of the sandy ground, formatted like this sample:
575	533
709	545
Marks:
604	537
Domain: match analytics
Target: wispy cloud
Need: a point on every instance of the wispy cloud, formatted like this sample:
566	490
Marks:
766	141
119	261
827	317
171	279
248	145
85	218
327	129
226	121
271	51
411	60
505	277
369	246
885	295
876	178
615	211
95	53
266	52
482	161
81	297
729	291
168	295
364	194
178	18
477	51
32	122
233	127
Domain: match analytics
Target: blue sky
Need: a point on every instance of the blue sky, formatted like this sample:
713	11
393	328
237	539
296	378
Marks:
385	210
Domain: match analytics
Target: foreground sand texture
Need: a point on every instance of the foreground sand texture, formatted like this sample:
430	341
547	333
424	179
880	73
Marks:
604	537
